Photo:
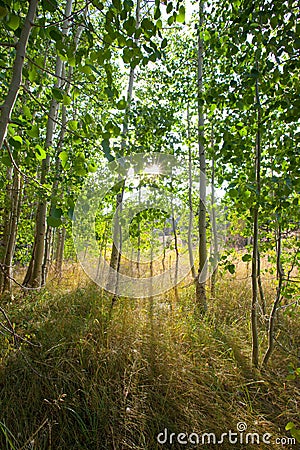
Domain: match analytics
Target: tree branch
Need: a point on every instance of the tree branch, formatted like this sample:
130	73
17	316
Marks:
26	177
7	44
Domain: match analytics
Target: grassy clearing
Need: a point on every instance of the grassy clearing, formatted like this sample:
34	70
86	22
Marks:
102	380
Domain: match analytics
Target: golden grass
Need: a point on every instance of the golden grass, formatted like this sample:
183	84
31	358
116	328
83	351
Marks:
114	379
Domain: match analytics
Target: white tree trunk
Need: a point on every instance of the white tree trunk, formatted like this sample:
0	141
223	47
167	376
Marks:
33	277
16	80
202	269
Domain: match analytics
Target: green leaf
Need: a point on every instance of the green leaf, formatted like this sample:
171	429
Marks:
117	4
88	119
171	20
32	74
231	268
71	213
16	142
63	156
289	426
53	222
70	202
106	150
26	112
274	21
55	35
246	257
164	43
169	7
79	167
130	26
157	13
33	132
6	160
40	153
85	69
128	4
147	24
181	15
122	104
296	434
92	166
57	94
17	139
49	5
3	11
55	212
76	93
66	100
99	5
72	61
73	125
13	22
233	193
105	145
127	55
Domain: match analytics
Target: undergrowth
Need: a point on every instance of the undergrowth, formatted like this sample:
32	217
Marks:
91	377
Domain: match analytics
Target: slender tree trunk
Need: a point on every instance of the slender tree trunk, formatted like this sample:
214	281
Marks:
260	287
34	273
13	228
272	318
61	236
190	227
202	269
139	238
115	259
215	246
163	261
16	80
151	267
47	257
12	215
176	252
47	254
101	246
6	224
254	306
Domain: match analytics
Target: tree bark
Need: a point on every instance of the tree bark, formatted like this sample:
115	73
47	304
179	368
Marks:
12	215
254	306
190	228
272	318
260	287
47	255
139	237
115	258
16	80
34	275
61	236
176	251
215	247
202	269
6	227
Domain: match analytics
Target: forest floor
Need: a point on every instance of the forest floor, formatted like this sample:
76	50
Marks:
102	378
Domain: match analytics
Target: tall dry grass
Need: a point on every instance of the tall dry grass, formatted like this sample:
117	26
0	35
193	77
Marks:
98	378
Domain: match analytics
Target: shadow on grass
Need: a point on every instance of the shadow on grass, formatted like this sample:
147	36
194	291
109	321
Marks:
115	382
